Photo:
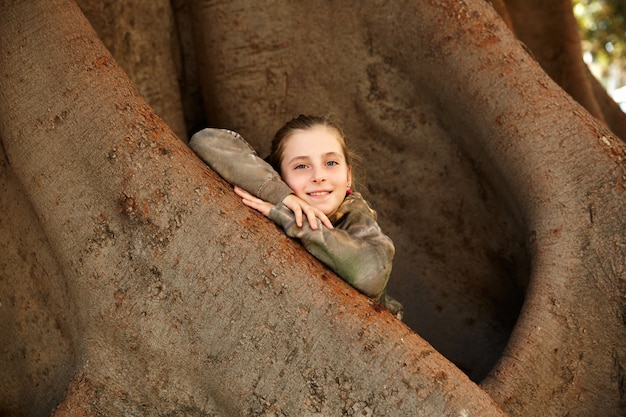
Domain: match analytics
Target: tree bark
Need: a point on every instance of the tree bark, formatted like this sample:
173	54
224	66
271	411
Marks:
460	259
184	300
142	37
549	29
35	309
565	174
168	296
453	72
613	114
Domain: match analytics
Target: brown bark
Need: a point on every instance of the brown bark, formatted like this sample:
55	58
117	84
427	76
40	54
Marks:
500	7
487	175
35	309
462	86
460	258
185	301
613	115
142	37
550	31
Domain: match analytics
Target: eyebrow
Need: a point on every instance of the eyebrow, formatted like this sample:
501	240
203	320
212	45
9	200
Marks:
308	158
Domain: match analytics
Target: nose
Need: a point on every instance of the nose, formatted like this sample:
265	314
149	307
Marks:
318	175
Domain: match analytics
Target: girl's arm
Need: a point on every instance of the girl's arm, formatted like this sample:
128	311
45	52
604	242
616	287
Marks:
356	249
234	159
228	154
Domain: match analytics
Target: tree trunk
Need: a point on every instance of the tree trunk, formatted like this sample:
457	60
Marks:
35	309
162	294
142	37
460	254
184	301
613	114
550	31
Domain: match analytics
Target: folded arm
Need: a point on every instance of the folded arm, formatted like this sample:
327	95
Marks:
228	154
356	249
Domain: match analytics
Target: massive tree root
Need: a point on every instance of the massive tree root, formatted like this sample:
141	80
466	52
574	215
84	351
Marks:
136	283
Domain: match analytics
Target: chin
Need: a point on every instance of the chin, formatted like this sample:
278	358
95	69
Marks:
323	209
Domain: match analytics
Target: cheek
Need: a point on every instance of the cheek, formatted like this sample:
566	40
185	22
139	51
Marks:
344	178
292	181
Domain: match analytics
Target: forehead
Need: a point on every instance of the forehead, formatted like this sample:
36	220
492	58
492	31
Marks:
312	142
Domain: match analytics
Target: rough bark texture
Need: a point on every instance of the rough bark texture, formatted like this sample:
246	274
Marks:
38	356
142	37
186	302
460	257
550	31
613	114
134	282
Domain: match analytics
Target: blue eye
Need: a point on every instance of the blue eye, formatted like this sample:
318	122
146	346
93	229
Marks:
300	166
332	163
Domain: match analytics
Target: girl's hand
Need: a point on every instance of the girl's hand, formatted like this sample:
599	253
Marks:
249	200
295	204
299	207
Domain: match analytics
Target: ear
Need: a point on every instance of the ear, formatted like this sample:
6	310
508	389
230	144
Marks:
349	176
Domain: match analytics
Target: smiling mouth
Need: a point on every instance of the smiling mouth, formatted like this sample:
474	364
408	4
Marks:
319	193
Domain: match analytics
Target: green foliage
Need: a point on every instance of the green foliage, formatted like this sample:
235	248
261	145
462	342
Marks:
603	28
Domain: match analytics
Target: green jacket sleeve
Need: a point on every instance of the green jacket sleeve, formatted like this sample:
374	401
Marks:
356	249
228	154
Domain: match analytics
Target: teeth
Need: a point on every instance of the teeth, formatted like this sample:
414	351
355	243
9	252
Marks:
319	193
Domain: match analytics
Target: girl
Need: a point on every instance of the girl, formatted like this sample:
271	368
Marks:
309	176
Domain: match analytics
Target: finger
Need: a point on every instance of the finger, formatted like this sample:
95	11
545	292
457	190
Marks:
256	203
250	203
297	211
293	203
259	205
312	218
250	200
243	193
325	221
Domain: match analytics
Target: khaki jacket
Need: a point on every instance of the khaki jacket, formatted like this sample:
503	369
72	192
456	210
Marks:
356	249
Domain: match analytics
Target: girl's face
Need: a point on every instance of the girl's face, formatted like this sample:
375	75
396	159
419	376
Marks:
314	166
